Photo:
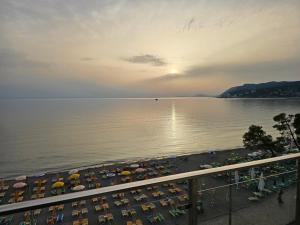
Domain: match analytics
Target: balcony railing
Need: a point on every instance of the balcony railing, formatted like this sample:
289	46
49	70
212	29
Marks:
192	190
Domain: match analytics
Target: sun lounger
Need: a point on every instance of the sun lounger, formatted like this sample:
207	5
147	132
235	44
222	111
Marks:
117	203
124	213
138	191
96	200
75	213
57	179
105	206
156	218
97	208
253	199
118	195
36	196
14	200
105	218
60	207
124	201
38	189
148	206
267	191
19	193
258	194
166	202
4	188
84	211
182	198
176	212
81	222
37	212
42	182
137	222
91	185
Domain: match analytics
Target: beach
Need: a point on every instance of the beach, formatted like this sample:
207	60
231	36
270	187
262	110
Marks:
164	197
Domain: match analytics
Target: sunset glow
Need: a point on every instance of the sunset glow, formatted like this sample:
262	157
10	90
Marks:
128	48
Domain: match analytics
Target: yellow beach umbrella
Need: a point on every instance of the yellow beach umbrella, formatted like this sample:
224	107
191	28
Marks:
58	184
74	176
125	173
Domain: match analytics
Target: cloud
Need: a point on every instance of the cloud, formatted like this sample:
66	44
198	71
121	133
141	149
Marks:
272	69
14	64
147	59
87	59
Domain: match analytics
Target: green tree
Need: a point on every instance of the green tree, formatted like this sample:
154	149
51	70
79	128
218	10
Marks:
285	126
296	125
257	139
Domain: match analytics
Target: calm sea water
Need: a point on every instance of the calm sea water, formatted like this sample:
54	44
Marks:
53	134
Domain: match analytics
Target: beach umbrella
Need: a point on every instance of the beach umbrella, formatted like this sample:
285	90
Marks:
236	178
19	185
103	171
73	171
74	176
78	188
252	173
20	178
39	175
58	184
110	174
140	170
261	182
135	165
125	173
206	166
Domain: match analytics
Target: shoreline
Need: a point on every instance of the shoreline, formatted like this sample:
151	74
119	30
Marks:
159	167
122	162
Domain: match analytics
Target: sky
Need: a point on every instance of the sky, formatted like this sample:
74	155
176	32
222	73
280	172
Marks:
134	48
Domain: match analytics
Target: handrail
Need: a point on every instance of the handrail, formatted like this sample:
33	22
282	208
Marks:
66	198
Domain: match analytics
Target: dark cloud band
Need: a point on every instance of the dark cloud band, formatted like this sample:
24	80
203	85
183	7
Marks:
147	59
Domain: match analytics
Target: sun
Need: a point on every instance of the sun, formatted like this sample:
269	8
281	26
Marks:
173	71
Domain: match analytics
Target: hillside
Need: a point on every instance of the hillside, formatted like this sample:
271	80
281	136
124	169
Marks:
283	89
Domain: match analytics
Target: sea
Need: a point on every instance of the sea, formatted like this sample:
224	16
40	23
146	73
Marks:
48	135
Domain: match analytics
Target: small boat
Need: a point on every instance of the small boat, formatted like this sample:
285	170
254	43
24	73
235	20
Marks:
156	99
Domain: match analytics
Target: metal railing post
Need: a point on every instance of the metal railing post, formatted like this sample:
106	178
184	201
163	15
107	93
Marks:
193	188
298	194
230	199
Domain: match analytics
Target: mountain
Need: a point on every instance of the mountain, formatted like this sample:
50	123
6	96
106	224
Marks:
282	89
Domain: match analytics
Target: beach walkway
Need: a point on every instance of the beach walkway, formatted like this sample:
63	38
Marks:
267	212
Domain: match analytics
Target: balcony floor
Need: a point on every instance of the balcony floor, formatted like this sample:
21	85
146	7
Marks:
266	212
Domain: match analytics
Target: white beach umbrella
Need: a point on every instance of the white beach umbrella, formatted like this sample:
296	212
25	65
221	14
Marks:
140	170
206	166
261	182
236	178
20	178
39	175
135	165
78	188
110	174
73	171
19	185
252	173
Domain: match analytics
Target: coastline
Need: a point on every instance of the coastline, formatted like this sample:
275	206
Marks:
203	157
172	164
